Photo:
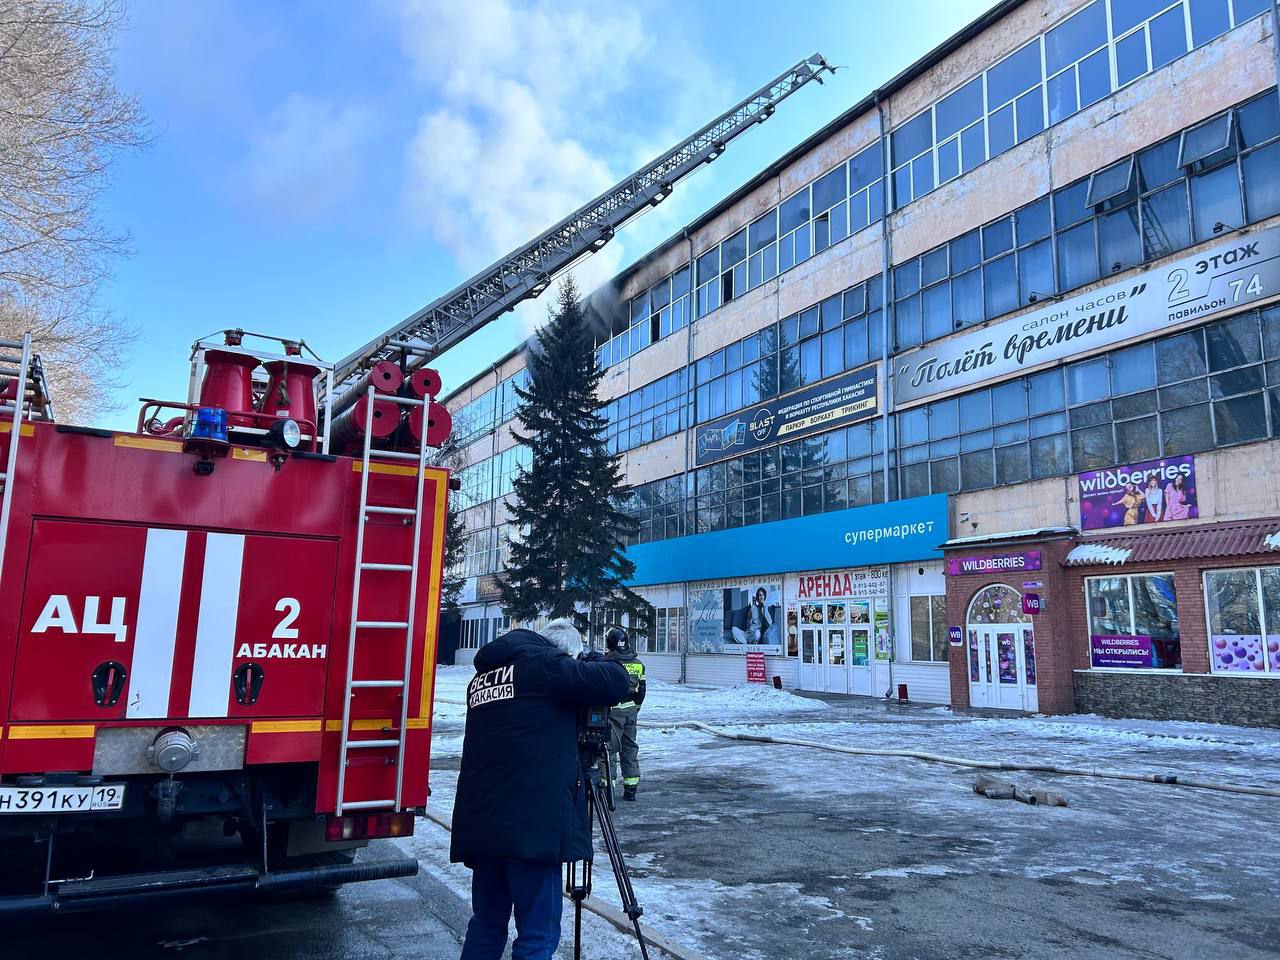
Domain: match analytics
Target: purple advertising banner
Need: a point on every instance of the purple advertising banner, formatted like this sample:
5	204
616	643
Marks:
994	563
1109	650
1140	493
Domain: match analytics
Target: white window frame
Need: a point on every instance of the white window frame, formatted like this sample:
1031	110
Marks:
1267	673
911	653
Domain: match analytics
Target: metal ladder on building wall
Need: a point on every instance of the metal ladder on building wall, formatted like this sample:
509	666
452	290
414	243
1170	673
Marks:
17	370
411	570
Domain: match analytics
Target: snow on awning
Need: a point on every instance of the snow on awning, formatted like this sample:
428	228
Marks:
1095	553
1164	542
983	538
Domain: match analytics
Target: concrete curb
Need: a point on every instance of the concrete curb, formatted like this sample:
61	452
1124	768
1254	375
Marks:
607	912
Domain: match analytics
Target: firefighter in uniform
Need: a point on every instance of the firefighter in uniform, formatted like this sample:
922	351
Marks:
622	740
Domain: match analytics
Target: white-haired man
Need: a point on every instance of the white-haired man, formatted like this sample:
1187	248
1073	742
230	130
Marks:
520	810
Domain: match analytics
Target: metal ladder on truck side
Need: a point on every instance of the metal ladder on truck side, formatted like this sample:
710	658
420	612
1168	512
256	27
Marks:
411	570
17	370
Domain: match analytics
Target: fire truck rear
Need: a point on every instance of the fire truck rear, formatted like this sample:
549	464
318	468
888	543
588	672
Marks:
217	632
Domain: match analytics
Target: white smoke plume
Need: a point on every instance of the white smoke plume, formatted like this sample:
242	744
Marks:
518	138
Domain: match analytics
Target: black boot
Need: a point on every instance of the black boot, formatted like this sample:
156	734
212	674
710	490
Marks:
628	793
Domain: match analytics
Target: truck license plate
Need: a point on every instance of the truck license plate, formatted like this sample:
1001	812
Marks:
109	796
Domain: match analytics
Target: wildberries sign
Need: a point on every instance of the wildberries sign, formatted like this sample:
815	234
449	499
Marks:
994	563
1153	491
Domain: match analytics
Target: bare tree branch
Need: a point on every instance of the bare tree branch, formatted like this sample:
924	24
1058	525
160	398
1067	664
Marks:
62	121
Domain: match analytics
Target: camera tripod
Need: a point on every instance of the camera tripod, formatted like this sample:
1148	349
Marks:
578	875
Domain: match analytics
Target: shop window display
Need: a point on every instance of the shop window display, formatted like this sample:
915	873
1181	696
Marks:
1243	609
1133	622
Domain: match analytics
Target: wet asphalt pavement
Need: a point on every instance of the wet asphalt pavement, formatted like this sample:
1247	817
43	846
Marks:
413	918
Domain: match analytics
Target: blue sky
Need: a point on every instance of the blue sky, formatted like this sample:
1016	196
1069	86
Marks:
322	170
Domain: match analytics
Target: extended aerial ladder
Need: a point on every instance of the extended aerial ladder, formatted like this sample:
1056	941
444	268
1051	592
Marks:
527	271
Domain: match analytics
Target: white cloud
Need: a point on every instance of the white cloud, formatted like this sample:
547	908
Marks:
308	156
523	89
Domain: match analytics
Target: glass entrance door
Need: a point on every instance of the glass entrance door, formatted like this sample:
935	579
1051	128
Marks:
1002	651
1002	667
813	667
861	647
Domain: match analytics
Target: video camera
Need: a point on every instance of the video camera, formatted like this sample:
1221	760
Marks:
593	733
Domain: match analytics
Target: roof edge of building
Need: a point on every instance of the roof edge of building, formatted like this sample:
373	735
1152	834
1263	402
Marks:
929	60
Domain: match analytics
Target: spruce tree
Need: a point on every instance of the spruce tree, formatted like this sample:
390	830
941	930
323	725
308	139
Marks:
450	456
568	503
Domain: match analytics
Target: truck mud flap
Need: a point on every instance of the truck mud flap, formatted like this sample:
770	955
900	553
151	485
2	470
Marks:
108	892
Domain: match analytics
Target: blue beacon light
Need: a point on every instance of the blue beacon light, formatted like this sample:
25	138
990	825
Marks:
210	424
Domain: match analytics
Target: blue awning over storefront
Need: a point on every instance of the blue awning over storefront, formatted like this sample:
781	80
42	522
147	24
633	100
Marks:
896	532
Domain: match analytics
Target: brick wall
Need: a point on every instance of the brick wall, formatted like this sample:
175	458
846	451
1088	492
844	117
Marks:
1055	658
1249	701
1065	682
1195	693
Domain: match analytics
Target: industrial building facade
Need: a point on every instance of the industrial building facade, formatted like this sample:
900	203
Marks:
977	390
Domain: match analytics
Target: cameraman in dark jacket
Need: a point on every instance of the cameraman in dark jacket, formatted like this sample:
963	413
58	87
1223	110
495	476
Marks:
521	811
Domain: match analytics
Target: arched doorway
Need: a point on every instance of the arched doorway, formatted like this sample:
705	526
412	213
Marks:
1001	649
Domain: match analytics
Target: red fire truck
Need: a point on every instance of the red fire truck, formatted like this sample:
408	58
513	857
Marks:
215	619
225	621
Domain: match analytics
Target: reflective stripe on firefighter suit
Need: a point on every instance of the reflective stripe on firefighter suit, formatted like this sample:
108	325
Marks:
622	738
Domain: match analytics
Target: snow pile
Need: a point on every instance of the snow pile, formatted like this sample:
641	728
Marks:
673	702
664	701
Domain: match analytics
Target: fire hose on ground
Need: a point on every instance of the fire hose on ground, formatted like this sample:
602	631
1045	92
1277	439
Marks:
1166	779
1161	778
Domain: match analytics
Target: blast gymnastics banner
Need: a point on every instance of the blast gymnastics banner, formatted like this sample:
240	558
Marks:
845	399
1141	493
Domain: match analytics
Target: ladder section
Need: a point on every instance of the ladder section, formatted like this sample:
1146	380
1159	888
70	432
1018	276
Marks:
381	631
526	271
15	365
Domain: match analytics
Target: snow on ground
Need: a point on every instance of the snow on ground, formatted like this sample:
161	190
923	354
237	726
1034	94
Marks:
746	850
663	701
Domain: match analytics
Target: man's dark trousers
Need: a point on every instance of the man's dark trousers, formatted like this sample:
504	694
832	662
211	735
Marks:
533	891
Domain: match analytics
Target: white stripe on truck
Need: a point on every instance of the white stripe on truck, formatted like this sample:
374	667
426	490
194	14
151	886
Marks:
216	630
157	629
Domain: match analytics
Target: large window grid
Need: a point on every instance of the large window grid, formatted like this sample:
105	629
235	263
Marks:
476	633
983	274
650	413
1202	389
1217	175
659	507
739	375
490	410
493	477
1095	51
831	471
1211	387
840	333
658	312
842	201
481	552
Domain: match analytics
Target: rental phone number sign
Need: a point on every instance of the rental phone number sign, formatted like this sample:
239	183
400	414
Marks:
1226	277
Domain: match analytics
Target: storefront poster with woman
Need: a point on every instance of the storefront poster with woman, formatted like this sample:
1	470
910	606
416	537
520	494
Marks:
735	616
1155	491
